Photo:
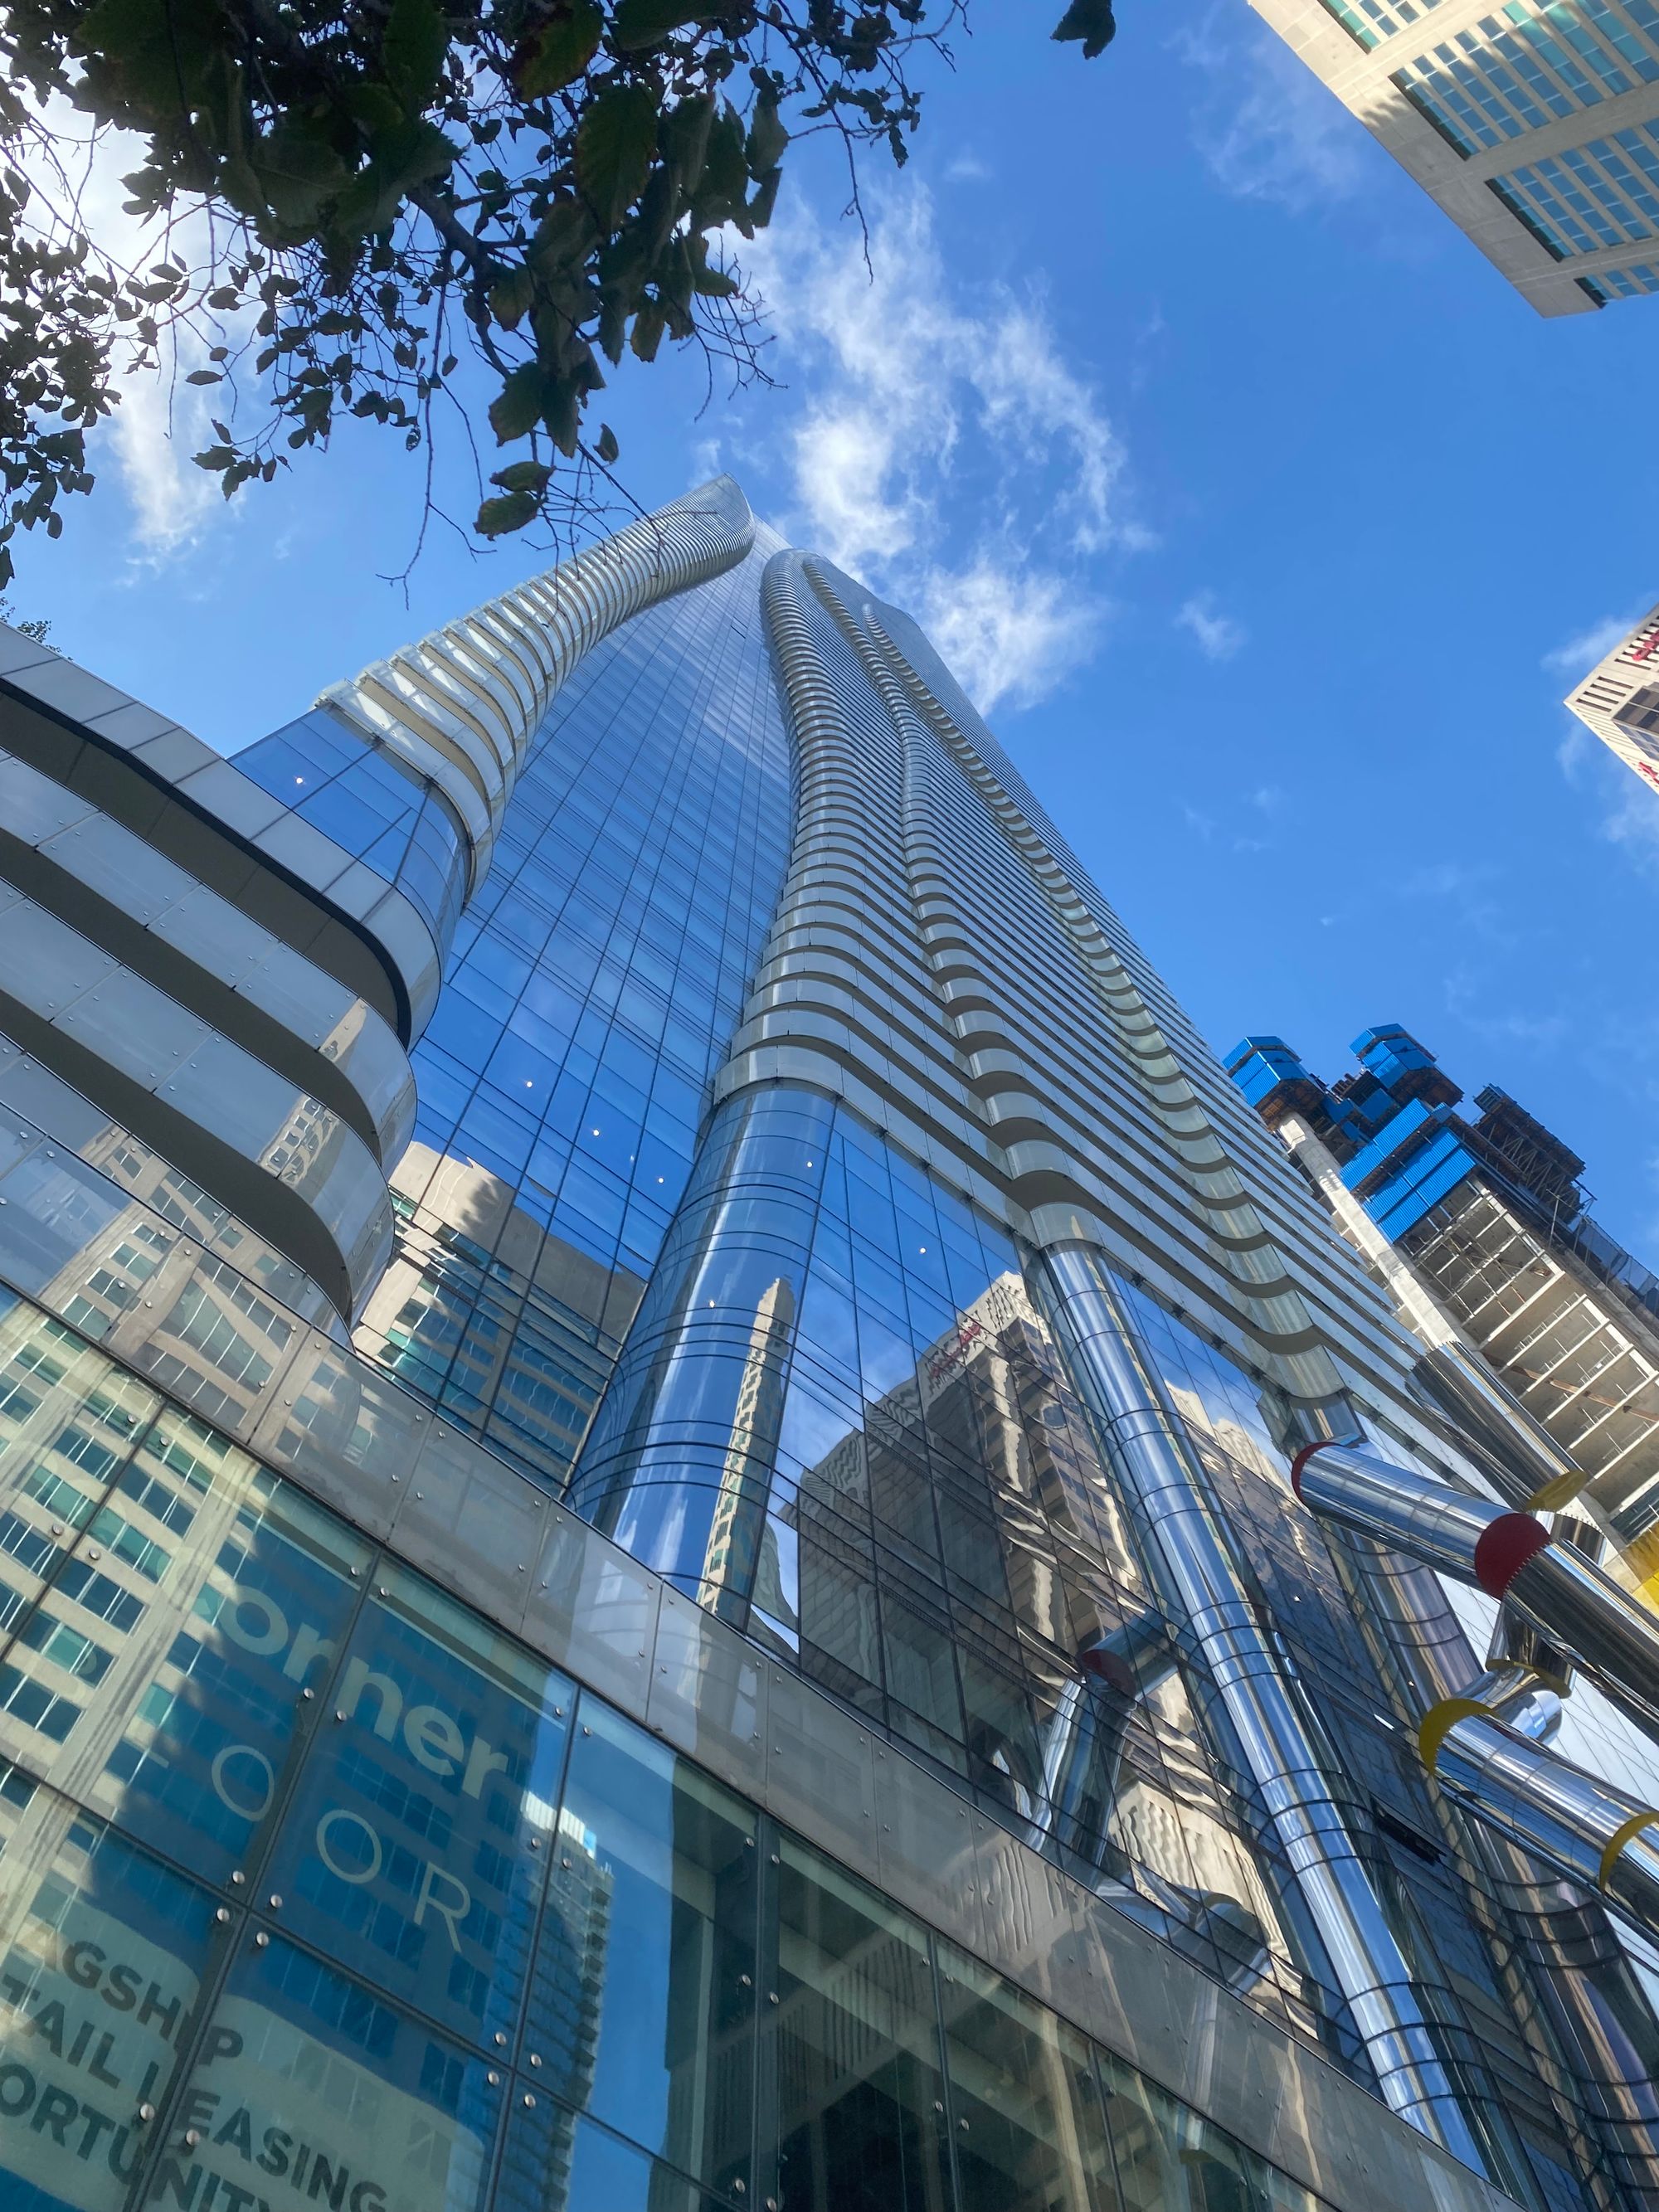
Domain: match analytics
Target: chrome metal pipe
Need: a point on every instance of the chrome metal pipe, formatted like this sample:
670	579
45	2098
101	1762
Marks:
1541	1470
1594	1619
1579	1825
1310	1814
1547	1581
1588	2020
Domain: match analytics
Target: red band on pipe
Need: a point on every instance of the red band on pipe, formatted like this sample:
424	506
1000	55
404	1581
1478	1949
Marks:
1503	1548
1109	1668
1302	1459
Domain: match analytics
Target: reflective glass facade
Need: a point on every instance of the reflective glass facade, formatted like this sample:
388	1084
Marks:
591	992
772	1661
314	1887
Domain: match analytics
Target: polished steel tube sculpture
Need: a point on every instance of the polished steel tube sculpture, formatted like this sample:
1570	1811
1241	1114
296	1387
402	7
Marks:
1311	1812
1511	1555
1512	1781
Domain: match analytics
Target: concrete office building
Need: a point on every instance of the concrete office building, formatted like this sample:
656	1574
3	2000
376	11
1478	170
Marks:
1619	701
652	1401
1534	125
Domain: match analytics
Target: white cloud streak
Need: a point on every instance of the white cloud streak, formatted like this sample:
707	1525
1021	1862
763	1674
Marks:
161	419
1217	636
1267	128
919	411
1578	655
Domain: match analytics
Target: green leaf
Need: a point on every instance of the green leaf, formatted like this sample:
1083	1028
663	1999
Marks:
686	137
411	154
1092	22
567	233
416	39
644	22
497	517
613	324
725	182
714	284
768	139
560	52
759	211
649	326
298	170
510	299
607	448
517	408
523	476
615	141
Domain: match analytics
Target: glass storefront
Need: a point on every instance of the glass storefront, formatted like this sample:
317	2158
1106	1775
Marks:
319	1891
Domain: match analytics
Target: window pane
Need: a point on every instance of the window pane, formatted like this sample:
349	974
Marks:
421	1831
1171	2158
68	1420
313	2084
102	1953
1029	2131
643	2005
555	2162
174	1644
855	2049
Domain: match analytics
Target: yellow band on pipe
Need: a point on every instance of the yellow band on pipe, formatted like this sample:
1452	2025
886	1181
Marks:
1437	1723
1622	1835
1559	1490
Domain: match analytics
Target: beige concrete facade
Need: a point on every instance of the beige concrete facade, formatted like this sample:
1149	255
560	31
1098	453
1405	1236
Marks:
1534	126
1618	700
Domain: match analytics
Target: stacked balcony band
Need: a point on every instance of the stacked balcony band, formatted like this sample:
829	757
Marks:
676	1465
461	708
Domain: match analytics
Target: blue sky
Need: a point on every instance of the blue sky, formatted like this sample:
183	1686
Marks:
1271	524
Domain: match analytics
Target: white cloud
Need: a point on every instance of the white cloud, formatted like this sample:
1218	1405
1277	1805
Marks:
945	451
1576	750
1004	636
1632	820
1466	990
161	419
1470	889
1217	636
1578	655
966	168
1268	129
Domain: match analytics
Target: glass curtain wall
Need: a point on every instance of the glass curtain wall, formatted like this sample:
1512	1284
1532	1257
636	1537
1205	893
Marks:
841	1423
592	987
319	1891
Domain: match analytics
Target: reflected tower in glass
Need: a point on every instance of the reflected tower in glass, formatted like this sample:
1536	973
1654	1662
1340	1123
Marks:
647	1557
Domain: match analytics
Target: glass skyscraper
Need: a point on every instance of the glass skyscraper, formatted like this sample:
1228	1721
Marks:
649	1557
